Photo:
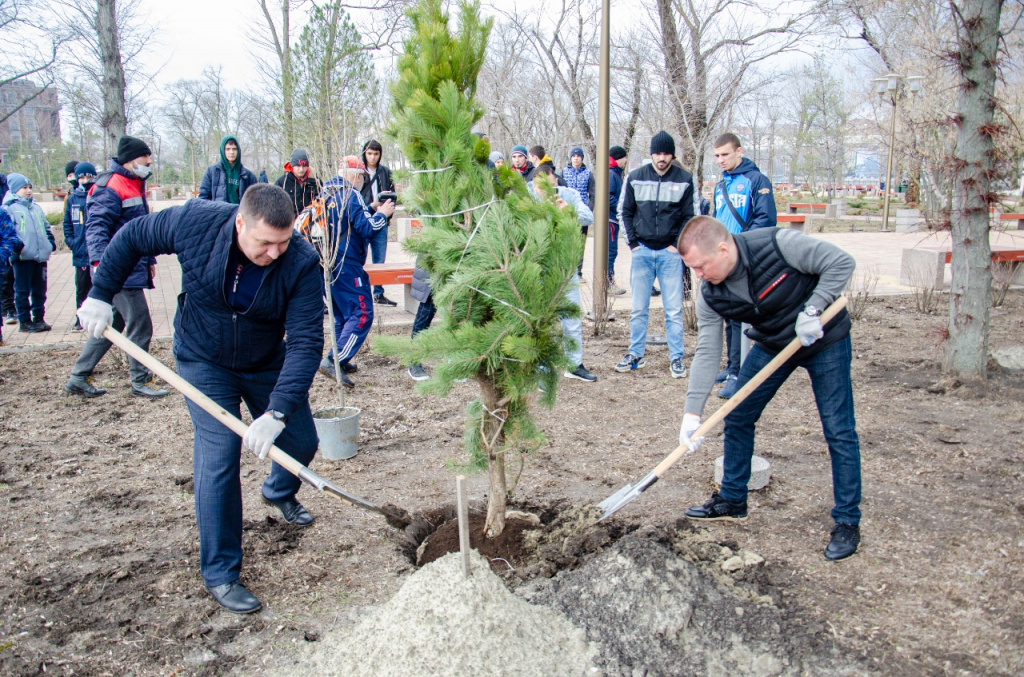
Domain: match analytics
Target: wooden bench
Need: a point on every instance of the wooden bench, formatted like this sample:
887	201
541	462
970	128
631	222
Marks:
799	220
794	206
394	273
925	267
1019	218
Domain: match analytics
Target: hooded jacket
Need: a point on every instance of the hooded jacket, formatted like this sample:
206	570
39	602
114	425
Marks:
289	299
117	197
582	181
653	209
9	241
750	192
301	192
381	180
614	189
546	160
75	217
215	180
32	228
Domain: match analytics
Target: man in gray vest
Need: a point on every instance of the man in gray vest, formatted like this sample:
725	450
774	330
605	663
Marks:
778	282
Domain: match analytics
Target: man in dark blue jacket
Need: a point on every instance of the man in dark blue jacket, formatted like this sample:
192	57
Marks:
227	180
743	201
247	280
117	197
617	162
75	213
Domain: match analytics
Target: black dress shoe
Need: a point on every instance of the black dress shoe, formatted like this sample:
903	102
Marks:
718	509
349	367
382	300
845	539
292	511
235	598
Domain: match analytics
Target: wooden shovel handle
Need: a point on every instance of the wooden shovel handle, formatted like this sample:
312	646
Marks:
748	388
193	393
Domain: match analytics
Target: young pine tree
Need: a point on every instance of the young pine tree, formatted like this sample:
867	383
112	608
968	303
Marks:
500	260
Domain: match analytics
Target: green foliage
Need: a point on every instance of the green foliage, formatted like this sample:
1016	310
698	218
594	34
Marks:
500	271
55	218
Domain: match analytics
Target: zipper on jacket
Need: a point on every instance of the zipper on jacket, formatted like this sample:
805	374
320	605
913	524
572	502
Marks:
234	331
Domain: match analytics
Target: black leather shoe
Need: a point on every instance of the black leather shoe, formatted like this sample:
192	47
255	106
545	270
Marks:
845	539
382	300
349	367
83	386
292	511
235	598
718	509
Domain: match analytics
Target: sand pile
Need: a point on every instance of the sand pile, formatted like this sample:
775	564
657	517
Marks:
440	623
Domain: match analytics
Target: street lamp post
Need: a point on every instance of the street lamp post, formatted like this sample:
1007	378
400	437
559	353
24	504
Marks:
890	84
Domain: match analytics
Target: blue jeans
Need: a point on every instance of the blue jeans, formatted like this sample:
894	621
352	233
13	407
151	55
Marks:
667	267
378	251
613	248
29	290
572	327
216	458
829	370
733	346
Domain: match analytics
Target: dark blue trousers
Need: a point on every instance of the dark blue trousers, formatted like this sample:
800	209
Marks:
29	290
216	458
353	311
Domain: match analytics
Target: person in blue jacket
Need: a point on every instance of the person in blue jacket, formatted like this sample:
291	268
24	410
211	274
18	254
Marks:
75	214
29	259
247	279
354	226
227	180
743	201
617	162
8	242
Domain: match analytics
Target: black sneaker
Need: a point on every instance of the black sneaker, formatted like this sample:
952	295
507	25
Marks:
655	291
582	373
382	300
349	367
29	328
718	509
41	326
845	539
630	363
418	373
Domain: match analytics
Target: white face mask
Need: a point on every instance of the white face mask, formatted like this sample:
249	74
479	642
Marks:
142	171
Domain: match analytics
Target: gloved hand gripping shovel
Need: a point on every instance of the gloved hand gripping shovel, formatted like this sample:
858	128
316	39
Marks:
396	517
628	493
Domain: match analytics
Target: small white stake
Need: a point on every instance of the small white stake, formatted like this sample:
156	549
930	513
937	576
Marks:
463	507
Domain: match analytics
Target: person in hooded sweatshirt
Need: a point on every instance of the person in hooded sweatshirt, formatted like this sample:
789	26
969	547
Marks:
743	201
378	180
35	244
227	180
297	181
69	171
76	210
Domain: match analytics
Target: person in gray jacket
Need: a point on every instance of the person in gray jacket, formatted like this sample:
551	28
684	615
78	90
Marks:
778	282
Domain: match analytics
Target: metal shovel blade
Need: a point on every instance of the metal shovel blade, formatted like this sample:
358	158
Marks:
625	496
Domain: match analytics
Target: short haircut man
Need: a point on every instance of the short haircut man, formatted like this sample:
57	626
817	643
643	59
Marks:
777	282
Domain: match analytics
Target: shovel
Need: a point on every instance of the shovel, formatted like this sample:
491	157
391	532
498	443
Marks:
396	517
628	493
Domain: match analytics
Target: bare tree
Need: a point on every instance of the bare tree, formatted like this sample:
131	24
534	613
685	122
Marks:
29	51
974	59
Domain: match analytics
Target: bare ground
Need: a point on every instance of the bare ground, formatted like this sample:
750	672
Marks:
100	567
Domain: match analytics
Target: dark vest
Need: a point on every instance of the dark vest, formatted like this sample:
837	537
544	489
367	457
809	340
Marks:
779	294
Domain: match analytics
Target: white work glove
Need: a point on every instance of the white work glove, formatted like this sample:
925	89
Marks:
808	328
261	435
95	316
690	424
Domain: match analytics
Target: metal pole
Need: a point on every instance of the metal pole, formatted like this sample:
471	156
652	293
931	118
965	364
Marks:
888	171
601	178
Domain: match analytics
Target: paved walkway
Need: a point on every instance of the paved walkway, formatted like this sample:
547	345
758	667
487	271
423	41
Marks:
879	253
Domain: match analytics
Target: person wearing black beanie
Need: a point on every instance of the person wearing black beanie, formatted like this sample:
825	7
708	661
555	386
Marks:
617	153
130	148
662	142
69	173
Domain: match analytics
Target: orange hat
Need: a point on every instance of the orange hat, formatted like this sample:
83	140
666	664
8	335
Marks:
352	162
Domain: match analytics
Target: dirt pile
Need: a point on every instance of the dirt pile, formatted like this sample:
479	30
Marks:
441	623
653	609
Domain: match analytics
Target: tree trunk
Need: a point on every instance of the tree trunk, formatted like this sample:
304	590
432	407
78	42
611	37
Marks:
493	438
974	60
114	119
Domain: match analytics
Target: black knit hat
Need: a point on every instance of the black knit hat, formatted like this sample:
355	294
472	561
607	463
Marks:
663	143
617	152
69	168
129	148
299	155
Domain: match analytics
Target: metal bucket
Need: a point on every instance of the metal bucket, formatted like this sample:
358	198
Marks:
338	430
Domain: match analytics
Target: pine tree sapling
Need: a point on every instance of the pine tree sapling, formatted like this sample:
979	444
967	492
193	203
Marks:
500	261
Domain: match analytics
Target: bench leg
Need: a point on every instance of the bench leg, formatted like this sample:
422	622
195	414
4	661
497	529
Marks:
792	209
411	305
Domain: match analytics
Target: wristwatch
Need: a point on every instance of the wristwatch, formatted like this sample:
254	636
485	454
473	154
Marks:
812	311
278	416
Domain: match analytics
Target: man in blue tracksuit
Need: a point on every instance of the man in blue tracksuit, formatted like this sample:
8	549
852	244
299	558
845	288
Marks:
353	227
247	280
743	201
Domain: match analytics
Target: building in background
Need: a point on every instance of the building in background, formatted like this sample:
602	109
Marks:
36	124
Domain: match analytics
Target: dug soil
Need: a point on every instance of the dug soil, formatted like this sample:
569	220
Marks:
100	568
